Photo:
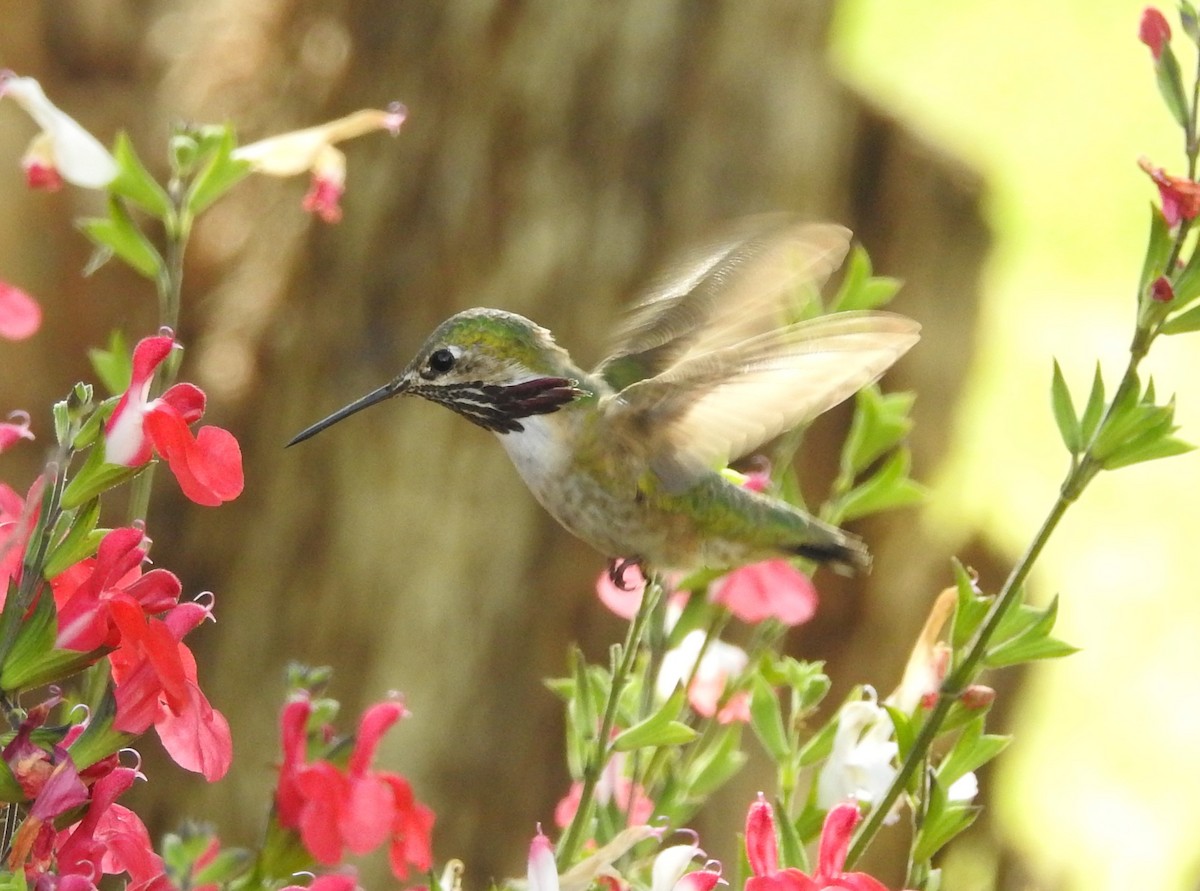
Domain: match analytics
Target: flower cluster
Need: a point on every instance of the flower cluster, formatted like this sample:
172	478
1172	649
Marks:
339	807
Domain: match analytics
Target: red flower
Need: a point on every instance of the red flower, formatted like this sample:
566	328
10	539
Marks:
1180	196
1154	31
208	465
355	807
770	589
84	592
762	854
15	430
20	315
155	677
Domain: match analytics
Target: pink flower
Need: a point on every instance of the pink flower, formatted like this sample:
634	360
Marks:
208	465
355	807
20	315
770	589
762	852
63	150
312	150
1180	196
670	870
541	872
14	430
1154	31
720	664
156	683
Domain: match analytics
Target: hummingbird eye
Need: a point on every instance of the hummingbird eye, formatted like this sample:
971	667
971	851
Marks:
441	361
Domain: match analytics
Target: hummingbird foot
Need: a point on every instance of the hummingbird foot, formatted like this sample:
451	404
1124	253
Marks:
618	566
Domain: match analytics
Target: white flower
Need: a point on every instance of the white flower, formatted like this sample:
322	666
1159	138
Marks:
861	763
63	150
721	663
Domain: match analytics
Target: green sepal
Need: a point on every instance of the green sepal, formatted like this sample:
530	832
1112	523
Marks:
1170	85
76	541
766	719
791	849
99	738
219	175
1064	412
117	234
32	660
888	488
859	289
660	729
96	476
906	733
1158	251
10	792
13	880
134	182
942	821
1187	18
818	746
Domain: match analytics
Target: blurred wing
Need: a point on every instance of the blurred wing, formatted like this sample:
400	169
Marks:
710	409
728	291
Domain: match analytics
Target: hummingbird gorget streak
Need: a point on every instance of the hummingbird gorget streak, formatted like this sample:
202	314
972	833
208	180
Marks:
706	368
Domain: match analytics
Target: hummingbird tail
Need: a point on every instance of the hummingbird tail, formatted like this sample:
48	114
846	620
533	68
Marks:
845	554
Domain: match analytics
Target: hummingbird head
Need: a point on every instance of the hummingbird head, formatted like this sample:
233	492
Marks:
492	367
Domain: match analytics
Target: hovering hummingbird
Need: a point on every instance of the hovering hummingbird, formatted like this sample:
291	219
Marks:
705	369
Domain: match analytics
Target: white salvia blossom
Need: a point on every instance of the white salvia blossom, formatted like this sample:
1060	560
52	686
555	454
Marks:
861	764
62	145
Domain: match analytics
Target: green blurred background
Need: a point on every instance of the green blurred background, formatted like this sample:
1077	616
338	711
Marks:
1054	103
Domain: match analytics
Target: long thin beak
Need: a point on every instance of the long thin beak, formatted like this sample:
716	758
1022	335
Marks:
393	388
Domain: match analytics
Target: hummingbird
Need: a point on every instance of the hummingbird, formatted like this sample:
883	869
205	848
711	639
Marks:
709	365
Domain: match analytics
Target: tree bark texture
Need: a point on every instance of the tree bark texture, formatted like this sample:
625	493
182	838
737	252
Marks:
555	153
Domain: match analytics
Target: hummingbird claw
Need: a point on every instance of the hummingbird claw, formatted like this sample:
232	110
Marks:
617	568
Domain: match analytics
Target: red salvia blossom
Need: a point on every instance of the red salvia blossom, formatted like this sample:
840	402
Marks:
207	465
156	684
355	807
1154	31
763	854
1180	196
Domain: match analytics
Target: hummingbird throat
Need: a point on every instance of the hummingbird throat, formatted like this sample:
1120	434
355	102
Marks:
500	407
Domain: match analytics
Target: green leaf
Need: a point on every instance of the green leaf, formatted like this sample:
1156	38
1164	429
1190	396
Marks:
860	289
1094	410
971	751
134	182
889	487
1183	323
1064	412
219	175
113	364
1187	17
766	718
880	423
719	761
660	729
905	733
970	609
791	848
117	233
1024	635
1138	451
820	744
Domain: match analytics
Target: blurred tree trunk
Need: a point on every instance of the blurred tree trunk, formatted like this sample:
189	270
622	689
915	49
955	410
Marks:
554	154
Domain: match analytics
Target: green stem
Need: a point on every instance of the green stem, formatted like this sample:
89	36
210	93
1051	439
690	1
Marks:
169	284
568	848
1080	474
